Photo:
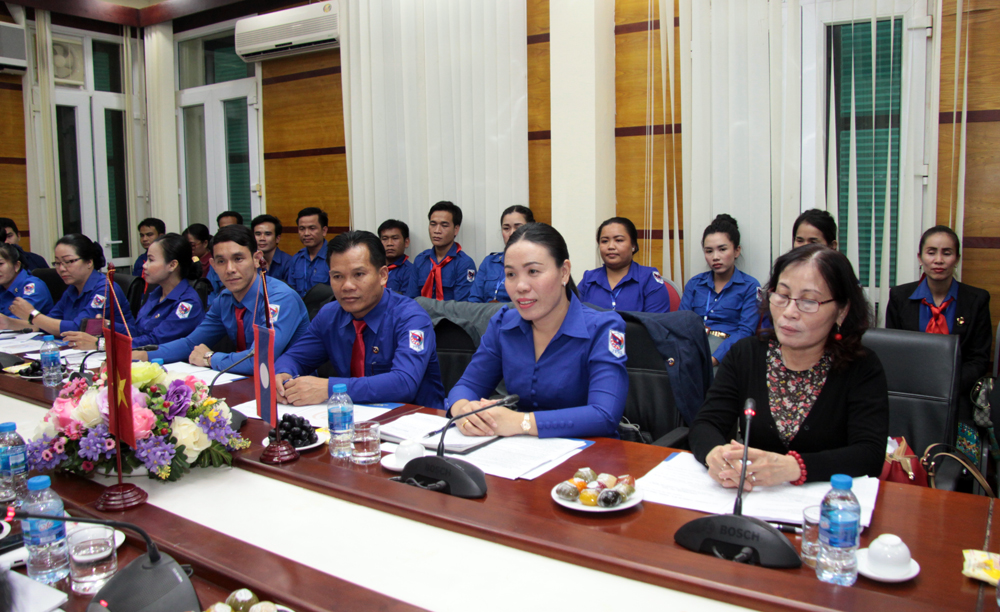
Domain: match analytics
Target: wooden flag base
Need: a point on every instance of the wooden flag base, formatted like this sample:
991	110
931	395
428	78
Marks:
280	451
120	497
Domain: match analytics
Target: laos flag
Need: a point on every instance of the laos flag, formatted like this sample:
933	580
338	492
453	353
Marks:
263	373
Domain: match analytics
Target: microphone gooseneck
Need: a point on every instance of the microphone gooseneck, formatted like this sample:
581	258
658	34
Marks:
749	409
509	400
211	386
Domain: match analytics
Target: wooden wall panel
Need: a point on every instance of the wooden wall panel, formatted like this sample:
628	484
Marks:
540	179
539	88
981	268
297	64
13	168
538	17
298	182
303	114
984	58
11	117
982	180
539	112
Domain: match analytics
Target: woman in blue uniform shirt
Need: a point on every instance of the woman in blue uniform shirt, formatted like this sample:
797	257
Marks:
16	282
78	261
172	309
566	361
724	297
621	283
489	285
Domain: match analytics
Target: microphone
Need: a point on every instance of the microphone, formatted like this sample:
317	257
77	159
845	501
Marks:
148	347
447	474
249	354
735	537
153	582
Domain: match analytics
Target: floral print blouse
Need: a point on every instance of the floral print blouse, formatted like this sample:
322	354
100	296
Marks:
791	394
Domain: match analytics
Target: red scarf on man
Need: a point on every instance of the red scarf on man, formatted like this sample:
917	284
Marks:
401	262
432	286
937	324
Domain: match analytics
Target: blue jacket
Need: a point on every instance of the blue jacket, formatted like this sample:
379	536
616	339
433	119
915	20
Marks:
288	316
32	261
281	266
175	317
400	275
401	362
75	306
457	275
641	290
139	262
579	385
734	311
490	285
304	274
30	288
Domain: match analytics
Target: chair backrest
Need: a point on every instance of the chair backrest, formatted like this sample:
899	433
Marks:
675	291
51	278
922	371
317	297
135	293
202	287
454	351
650	403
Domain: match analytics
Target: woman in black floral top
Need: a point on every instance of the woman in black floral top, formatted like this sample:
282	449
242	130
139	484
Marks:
822	400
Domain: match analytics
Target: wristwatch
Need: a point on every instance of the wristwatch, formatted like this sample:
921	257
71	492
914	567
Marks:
526	423
208	358
100	344
31	317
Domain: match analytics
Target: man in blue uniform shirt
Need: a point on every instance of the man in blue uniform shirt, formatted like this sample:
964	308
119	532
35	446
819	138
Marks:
308	267
395	236
237	308
381	344
149	230
267	231
10	234
443	272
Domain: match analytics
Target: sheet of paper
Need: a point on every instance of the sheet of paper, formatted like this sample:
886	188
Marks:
683	482
21	346
204	374
416	427
12	337
514	456
554	463
315	413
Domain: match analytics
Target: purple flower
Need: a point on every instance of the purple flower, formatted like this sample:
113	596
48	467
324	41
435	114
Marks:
41	457
179	398
154	452
95	443
217	430
138	398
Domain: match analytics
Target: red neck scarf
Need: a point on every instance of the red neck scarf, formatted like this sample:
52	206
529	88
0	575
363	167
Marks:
396	265
937	324
432	286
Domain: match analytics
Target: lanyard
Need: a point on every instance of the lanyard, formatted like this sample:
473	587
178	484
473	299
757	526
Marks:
614	297
708	301
496	291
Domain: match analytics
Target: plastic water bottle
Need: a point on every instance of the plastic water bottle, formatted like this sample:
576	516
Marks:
839	530
13	465
48	560
340	416
51	366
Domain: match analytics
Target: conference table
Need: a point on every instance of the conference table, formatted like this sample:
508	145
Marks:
513	547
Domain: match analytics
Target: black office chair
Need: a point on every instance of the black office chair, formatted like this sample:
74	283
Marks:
124	281
316	298
136	294
51	278
651	414
202	287
454	352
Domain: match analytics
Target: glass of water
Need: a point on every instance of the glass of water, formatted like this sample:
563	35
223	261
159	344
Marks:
367	447
92	557
810	535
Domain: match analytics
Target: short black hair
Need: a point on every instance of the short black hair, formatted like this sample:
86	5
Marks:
86	249
312	210
240	234
342	243
941	229
6	222
390	224
153	222
229	213
448	207
267	219
633	234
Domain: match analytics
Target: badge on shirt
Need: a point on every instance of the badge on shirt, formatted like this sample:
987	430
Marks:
417	340
760	294
97	302
29	289
616	343
657	277
273	310
183	310
470	275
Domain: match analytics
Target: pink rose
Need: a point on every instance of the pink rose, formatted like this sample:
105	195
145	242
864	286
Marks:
191	381
138	399
143	421
60	413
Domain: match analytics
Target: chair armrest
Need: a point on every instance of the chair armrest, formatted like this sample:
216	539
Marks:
675	438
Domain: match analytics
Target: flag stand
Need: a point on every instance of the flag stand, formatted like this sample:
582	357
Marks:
121	496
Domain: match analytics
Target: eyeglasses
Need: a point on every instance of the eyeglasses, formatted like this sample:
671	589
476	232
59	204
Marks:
803	304
65	263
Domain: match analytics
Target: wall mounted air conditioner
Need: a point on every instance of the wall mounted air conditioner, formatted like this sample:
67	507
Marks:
13	52
290	32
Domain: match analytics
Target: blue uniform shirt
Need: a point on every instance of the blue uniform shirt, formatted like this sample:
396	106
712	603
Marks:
75	306
641	290
457	275
923	292
401	362
734	311
32	261
281	266
400	273
175	317
289	318
579	385
30	288
139	262
304	273
489	285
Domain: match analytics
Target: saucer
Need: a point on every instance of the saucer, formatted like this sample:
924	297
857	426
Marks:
389	462
865	570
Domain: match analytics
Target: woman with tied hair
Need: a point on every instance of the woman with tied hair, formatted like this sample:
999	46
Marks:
16	282
621	283
822	399
489	283
815	226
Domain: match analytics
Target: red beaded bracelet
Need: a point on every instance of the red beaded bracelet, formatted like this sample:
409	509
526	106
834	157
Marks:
802	468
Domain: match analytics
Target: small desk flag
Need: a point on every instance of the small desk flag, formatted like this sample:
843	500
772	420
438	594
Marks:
263	373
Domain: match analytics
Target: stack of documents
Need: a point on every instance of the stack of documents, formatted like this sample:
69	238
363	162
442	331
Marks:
20	343
204	374
683	482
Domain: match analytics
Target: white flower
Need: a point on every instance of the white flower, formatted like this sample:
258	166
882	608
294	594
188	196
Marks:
190	436
223	409
44	428
86	410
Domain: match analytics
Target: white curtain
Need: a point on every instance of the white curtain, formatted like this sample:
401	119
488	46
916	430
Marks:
435	108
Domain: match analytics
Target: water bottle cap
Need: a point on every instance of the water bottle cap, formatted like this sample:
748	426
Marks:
8	427
39	482
47	338
340	388
157	361
841	481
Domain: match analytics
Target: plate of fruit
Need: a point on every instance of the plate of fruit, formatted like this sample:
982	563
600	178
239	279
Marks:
589	491
299	432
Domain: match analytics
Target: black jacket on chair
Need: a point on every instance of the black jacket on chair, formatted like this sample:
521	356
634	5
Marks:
972	325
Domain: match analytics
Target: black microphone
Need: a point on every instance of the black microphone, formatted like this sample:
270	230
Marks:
153	582
735	537
447	474
249	354
147	348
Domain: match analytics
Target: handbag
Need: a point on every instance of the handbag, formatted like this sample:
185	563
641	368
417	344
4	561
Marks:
902	466
936	453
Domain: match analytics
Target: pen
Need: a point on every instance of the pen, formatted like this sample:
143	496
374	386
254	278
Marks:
783	528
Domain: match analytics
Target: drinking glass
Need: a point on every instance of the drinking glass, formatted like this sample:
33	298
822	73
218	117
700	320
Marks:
92	557
367	447
810	535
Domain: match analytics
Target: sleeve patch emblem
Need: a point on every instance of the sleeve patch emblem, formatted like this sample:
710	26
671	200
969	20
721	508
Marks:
417	340
616	343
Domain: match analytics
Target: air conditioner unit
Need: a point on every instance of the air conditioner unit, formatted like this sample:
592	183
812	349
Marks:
290	32
13	52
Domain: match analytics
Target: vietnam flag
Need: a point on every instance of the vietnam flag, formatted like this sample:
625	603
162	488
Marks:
263	373
119	350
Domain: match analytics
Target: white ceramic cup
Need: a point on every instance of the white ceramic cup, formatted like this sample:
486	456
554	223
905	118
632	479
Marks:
408	449
889	555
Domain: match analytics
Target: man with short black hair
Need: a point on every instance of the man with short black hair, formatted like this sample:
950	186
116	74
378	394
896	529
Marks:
395	236
149	230
443	272
10	234
267	231
381	344
228	217
308	267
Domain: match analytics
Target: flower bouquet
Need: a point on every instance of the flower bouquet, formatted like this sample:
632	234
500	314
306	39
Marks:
177	426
